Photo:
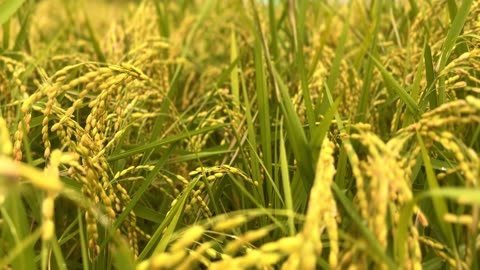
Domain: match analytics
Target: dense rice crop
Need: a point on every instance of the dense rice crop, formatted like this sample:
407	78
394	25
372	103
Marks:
210	134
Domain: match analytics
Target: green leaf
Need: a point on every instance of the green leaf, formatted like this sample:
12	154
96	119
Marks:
430	73
94	40
374	245
452	9
153	145
400	91
8	8
57	252
439	205
335	69
138	195
173	89
286	183
6	34
171	221
17	233
321	131
263	110
83	241
295	134
24	28
300	59
234	81
252	141
273	28
455	30
414	92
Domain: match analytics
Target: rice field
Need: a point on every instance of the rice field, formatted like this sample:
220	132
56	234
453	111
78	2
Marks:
208	134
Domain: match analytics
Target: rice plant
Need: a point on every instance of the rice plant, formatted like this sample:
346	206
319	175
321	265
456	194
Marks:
242	134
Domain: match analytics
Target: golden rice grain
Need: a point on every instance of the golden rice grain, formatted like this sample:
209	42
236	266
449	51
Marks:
230	223
6	147
190	236
234	246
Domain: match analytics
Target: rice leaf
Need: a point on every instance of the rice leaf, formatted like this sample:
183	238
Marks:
286	184
161	142
94	40
8	8
439	205
296	135
400	91
449	43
